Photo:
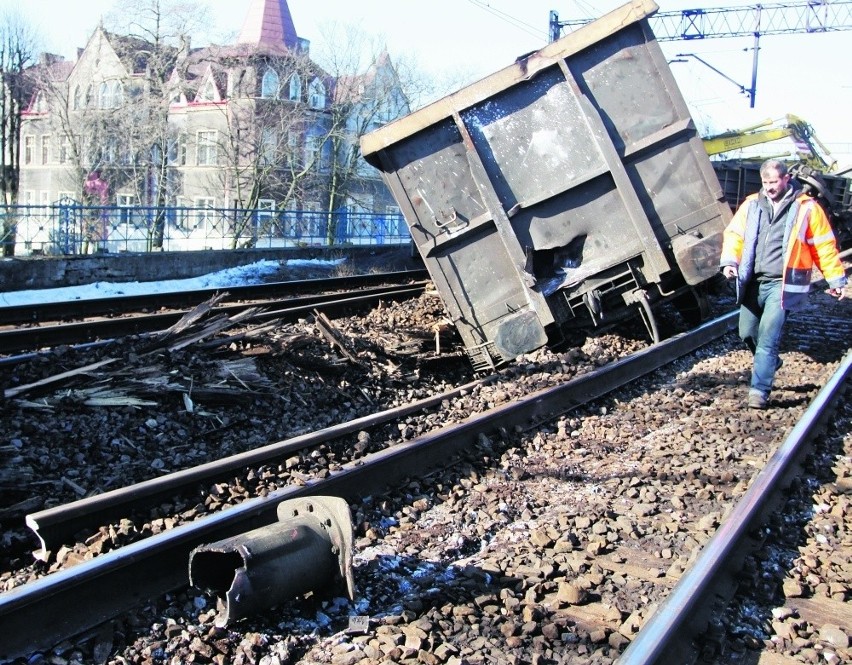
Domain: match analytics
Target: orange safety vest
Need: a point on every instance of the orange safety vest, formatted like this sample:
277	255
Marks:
808	242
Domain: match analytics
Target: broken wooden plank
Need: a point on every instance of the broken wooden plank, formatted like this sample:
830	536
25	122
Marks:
20	390
328	331
194	315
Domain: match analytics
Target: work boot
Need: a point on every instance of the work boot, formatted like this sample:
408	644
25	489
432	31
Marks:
757	399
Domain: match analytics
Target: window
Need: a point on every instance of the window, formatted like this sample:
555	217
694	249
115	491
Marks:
206	149
126	205
318	151
269	84
293	149
40	104
29	149
396	222
295	88
207	92
77	98
325	155
205	217
117	94
312	220
125	155
177	150
110	151
105	96
316	94
45	148
110	95
268	141
312	150
265	217
182	219
64	150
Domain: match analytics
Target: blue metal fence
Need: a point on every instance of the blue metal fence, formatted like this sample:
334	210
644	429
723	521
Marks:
69	227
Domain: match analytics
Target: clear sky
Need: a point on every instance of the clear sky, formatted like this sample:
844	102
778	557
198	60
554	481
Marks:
804	74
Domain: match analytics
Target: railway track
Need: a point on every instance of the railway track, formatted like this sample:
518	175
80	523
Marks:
679	624
360	292
156	565
166	571
553	572
47	312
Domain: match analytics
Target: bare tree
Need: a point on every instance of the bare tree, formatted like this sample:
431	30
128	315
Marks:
17	50
370	90
267	146
155	36
294	148
162	24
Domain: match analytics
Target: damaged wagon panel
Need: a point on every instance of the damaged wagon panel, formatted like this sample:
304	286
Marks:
567	190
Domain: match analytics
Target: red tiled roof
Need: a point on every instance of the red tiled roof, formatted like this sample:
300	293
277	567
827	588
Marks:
269	25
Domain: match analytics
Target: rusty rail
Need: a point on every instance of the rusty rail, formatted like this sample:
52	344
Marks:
42	613
667	636
59	311
55	526
20	339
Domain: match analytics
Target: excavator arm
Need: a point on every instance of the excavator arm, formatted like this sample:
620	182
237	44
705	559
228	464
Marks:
809	149
716	145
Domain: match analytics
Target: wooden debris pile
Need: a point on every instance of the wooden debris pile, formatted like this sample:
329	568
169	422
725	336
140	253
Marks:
159	366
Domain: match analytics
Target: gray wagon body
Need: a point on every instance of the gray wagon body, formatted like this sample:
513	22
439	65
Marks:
568	188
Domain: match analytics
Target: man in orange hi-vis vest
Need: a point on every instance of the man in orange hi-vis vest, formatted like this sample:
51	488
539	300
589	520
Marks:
775	239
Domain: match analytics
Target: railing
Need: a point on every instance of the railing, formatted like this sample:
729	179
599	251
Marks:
68	227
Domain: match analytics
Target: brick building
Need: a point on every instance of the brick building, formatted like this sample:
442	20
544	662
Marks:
252	125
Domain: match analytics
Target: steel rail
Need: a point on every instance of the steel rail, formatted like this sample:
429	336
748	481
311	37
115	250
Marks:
55	526
59	311
39	614
668	634
289	309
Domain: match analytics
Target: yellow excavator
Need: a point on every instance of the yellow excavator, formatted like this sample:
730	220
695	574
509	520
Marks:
809	149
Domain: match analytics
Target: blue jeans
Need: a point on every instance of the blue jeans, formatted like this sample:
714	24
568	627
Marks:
761	322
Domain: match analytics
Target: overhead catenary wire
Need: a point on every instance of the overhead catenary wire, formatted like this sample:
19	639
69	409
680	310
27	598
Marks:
511	20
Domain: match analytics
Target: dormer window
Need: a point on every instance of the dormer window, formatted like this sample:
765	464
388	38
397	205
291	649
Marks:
207	92
40	103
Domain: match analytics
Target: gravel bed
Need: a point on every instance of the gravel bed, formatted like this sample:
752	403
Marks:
544	547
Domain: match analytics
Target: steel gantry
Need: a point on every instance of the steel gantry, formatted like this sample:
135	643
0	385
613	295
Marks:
755	20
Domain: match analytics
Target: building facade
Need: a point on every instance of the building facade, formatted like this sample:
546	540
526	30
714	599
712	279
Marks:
255	125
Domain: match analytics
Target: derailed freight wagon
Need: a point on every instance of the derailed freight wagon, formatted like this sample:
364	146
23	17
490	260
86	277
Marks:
567	190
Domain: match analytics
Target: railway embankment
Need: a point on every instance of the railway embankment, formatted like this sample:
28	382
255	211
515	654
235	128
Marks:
44	272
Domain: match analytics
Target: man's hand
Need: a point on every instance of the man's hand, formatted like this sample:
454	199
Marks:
840	294
729	271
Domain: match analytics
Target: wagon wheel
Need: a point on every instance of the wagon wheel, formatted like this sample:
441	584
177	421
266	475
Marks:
692	306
